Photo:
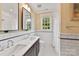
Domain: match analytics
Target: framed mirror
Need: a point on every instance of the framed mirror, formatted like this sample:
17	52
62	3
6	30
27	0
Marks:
26	20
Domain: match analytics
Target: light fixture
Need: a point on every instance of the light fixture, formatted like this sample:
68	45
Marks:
28	9
25	6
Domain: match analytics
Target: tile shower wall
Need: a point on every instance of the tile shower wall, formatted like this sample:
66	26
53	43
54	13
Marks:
69	47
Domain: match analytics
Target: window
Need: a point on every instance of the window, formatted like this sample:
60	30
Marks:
46	23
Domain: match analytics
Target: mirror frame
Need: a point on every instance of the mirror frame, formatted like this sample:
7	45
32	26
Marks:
23	18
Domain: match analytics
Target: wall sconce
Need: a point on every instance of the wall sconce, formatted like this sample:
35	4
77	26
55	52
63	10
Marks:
26	7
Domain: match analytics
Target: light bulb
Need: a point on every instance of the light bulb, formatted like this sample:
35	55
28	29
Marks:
28	9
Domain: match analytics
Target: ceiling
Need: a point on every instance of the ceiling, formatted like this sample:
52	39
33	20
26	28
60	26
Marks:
43	7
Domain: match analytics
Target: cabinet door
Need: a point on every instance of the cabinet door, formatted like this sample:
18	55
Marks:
34	50
30	52
37	48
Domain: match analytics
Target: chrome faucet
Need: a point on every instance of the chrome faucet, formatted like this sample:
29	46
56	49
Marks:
8	43
1	48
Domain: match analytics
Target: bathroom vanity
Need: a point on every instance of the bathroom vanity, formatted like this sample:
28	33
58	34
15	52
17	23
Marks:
19	44
33	50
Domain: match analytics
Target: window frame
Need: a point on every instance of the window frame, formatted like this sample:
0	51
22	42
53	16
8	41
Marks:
49	22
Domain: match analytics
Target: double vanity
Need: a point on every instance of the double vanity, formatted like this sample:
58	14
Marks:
19	44
13	42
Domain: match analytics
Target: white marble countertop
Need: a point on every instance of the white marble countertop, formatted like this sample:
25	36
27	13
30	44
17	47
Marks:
21	51
12	34
25	49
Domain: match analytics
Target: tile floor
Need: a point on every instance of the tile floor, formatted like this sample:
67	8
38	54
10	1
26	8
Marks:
69	47
46	48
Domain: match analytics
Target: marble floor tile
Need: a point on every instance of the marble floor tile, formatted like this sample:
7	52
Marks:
46	49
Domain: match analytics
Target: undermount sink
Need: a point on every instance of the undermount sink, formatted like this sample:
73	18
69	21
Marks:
20	46
16	49
32	38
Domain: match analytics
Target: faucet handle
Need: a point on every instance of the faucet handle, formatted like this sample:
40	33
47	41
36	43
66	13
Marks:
1	48
9	43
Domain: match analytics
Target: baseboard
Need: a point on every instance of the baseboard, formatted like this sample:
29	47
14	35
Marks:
69	35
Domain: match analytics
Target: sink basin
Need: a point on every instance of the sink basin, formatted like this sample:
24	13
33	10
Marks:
16	49
32	38
19	47
12	51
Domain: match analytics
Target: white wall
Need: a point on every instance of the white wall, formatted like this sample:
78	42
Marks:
56	29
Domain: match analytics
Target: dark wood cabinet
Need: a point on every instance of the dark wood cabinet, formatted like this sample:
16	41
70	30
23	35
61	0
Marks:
34	50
